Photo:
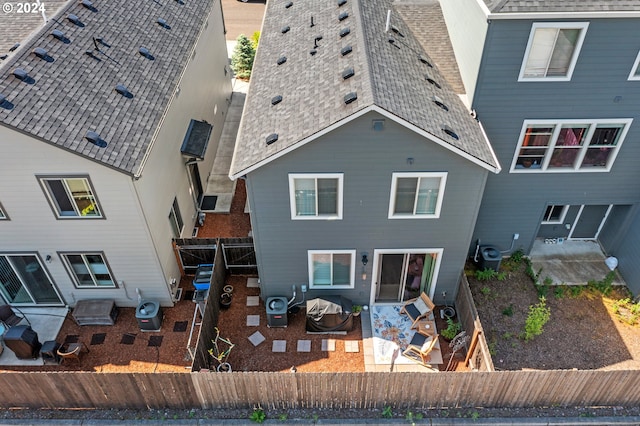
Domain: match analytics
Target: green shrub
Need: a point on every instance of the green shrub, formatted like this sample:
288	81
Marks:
517	256
258	415
242	57
255	39
539	315
603	286
486	274
501	276
485	290
387	413
508	311
558	292
452	330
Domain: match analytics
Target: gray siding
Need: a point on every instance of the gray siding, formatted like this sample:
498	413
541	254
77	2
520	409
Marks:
628	254
367	159
515	203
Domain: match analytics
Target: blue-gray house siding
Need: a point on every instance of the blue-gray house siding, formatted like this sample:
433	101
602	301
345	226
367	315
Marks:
367	158
598	89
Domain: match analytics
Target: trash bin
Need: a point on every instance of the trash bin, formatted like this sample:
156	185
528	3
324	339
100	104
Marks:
490	258
149	315
277	311
202	279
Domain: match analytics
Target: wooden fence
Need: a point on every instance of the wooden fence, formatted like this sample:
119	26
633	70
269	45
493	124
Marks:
478	354
319	390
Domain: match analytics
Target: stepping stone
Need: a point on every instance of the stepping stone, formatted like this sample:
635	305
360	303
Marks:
351	346
253	320
98	338
328	345
279	346
253	300
256	338
155	341
304	345
253	283
180	326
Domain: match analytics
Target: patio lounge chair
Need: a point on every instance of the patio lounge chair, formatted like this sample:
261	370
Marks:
8	317
420	347
418	308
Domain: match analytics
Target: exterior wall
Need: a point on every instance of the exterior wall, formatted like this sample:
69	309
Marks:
33	227
204	91
367	159
628	254
515	203
467	26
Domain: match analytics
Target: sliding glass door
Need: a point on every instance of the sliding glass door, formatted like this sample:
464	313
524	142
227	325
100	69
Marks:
402	275
23	280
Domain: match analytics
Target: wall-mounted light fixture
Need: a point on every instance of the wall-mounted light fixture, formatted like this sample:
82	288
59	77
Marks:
365	260
48	258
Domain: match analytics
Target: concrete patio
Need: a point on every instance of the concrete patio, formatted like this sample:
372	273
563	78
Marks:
571	262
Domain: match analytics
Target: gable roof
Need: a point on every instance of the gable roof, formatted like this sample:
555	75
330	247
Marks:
72	91
521	6
389	77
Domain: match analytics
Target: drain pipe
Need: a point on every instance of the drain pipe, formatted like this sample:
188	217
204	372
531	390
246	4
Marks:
293	288
475	256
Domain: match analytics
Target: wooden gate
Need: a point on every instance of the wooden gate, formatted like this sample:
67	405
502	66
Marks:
239	255
195	251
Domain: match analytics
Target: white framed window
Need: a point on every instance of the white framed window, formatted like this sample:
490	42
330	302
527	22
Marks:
3	215
88	270
416	195
175	218
331	268
71	197
635	69
569	146
315	196
554	214
552	51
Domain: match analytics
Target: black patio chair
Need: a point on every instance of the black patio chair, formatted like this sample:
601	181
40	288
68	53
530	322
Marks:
8	317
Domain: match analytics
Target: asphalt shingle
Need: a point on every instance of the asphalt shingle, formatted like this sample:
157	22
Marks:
76	92
524	6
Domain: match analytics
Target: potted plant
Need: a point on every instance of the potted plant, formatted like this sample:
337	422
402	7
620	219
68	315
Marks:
452	330
225	300
356	309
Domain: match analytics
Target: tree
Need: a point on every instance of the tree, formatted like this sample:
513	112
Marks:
242	58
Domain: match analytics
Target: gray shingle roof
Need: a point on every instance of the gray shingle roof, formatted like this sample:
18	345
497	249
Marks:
388	76
15	27
75	92
524	6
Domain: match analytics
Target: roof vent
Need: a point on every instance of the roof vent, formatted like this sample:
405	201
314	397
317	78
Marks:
272	138
2	98
425	61
42	53
350	97
276	100
90	53
285	30
396	30
436	100
145	52
20	74
348	73
95	139
59	35
74	19
122	89
342	3
344	32
448	130
281	60
343	16
346	50
432	81
88	4
14	47
180	1
312	52
288	5
163	23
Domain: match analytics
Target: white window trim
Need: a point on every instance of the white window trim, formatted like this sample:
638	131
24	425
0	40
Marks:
563	214
173	214
352	268
53	203
392	198
74	277
559	25
559	123
292	195
634	69
3	213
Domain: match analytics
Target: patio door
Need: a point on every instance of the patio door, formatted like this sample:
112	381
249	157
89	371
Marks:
590	220
403	274
24	281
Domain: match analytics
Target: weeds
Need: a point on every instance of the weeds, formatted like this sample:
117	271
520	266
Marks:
559	291
282	417
539	315
603	286
507	335
627	311
258	415
517	256
508	311
486	291
576	290
486	274
387	412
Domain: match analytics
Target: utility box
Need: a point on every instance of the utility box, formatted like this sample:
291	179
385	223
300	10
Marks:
490	258
277	311
149	315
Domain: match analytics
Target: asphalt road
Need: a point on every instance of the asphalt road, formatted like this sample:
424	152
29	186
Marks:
242	18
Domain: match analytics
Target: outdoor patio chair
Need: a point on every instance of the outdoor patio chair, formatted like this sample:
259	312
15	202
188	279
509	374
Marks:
420	347
72	351
8	317
418	308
